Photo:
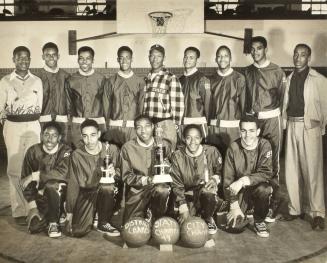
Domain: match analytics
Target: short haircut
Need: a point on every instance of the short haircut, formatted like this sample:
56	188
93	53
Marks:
142	117
124	48
304	46
86	49
192	126
50	45
89	123
194	49
259	39
224	47
21	49
250	118
52	124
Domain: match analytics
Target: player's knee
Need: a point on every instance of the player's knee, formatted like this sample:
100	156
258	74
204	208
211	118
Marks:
51	186
264	191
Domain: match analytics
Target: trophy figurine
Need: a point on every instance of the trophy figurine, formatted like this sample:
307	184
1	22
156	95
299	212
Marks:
107	176
161	166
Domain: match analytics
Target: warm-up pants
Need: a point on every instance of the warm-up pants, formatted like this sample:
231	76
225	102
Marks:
155	197
88	202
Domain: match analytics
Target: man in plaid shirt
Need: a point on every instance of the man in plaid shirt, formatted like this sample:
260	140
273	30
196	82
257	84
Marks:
164	99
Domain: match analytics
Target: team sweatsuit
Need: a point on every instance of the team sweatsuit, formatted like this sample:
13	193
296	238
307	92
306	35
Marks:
188	173
196	90
265	87
226	108
84	100
138	162
123	101
256	165
85	195
48	194
54	106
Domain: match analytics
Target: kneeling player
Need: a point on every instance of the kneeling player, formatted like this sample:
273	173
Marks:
138	169
247	173
87	191
196	170
44	178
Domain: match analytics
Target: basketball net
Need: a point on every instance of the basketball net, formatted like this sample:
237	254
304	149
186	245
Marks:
159	22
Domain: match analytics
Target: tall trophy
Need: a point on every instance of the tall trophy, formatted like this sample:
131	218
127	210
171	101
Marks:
107	177
161	166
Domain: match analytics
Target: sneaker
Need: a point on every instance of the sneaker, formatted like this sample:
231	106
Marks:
54	230
270	218
261	229
318	221
95	221
108	229
212	226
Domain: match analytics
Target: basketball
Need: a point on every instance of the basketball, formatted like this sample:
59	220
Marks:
136	232
165	230
194	232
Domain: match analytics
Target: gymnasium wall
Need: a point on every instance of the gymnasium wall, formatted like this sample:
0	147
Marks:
281	34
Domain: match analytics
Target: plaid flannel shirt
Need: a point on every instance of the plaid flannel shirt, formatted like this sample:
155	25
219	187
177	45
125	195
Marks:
164	97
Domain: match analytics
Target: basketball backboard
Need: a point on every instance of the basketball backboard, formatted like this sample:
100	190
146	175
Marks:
133	16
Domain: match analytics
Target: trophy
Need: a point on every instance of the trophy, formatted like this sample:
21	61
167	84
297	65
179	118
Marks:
107	177
161	166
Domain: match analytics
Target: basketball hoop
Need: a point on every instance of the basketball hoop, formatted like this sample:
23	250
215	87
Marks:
159	21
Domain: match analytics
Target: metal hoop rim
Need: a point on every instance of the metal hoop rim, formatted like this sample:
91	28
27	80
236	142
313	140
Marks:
165	13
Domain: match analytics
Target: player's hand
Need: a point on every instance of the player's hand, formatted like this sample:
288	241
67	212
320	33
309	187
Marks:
183	216
232	216
32	213
69	221
236	187
111	170
211	185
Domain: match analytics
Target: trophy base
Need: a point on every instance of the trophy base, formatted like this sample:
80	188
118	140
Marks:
162	178
107	180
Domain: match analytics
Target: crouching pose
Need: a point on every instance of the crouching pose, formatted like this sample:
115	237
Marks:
247	173
138	169
88	190
44	179
196	171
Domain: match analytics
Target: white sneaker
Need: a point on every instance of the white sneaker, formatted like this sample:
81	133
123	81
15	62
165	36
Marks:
261	229
270	217
109	230
54	230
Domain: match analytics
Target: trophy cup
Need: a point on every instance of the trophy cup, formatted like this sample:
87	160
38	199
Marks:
107	177
161	166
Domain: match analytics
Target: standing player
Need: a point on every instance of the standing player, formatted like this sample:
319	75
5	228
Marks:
85	93
164	99
305	110
44	177
265	86
87	192
54	96
196	90
196	168
138	160
123	100
20	108
247	173
227	102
